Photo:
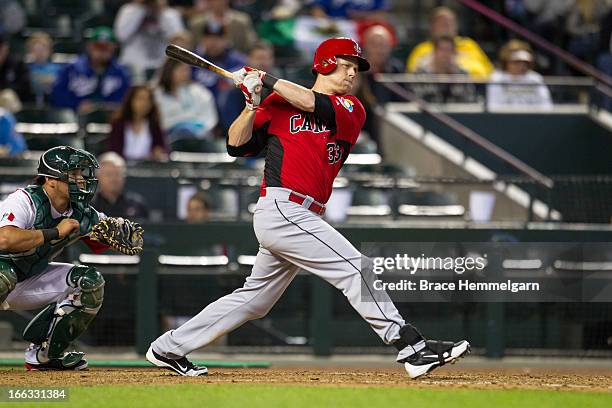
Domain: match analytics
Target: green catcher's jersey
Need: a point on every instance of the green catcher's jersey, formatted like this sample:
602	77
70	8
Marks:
30	208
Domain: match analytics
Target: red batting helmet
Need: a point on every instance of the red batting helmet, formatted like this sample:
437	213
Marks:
325	55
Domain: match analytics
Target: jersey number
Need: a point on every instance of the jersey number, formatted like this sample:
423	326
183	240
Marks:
334	153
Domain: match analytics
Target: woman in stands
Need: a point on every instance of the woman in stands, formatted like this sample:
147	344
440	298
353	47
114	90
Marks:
136	132
188	110
517	85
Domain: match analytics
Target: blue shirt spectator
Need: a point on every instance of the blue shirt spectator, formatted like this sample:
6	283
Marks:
11	142
43	72
94	78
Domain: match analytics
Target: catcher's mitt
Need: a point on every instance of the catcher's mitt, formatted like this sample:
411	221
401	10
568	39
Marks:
119	234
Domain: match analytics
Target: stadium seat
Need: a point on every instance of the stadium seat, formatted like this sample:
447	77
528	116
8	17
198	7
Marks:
428	204
224	202
97	128
369	202
46	128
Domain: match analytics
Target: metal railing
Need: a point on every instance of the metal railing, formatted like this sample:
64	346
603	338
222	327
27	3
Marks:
605	85
472	136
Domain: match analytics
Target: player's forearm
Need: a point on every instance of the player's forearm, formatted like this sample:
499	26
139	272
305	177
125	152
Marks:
241	130
13	239
298	96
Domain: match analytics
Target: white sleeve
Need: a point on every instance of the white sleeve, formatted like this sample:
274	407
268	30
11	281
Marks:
18	210
128	21
171	22
544	98
495	96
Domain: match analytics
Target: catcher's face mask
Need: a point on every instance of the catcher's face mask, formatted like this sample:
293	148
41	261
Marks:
75	167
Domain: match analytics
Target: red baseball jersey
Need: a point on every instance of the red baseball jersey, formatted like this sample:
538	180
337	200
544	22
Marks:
305	150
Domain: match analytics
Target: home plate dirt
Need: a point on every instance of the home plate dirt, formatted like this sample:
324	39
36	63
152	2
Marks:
544	379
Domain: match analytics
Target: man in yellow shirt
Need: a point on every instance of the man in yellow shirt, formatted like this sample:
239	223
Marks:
470	56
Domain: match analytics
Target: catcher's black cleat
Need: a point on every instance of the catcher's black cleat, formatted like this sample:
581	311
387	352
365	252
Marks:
71	361
181	366
435	354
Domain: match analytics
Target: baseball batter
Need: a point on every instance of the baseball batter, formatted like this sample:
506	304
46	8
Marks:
37	223
307	134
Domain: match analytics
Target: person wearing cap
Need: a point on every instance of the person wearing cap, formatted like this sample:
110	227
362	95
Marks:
470	57
516	85
95	79
306	136
144	28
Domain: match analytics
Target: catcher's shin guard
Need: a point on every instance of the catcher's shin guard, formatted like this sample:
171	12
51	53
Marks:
55	327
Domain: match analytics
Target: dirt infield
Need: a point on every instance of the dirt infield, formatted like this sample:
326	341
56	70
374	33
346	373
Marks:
453	377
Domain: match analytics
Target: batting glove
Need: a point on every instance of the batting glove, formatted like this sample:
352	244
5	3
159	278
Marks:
239	75
266	79
251	88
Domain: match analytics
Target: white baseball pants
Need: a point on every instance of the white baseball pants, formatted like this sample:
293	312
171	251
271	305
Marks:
47	287
290	237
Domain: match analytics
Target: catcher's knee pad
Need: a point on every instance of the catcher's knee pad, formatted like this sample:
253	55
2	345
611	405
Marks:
8	280
56	326
89	284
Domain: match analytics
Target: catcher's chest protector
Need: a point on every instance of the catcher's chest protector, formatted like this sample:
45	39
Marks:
35	261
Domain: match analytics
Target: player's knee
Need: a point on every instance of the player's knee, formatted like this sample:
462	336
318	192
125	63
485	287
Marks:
90	284
258	311
8	280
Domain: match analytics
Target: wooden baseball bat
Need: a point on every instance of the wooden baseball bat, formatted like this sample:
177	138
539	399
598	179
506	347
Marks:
181	54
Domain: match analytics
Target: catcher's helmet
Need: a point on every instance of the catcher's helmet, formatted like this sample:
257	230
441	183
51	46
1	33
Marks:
326	53
57	162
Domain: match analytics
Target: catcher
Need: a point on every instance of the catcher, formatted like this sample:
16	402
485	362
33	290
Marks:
36	224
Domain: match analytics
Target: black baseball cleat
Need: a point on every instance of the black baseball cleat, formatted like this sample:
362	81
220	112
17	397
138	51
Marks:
70	361
435	354
181	366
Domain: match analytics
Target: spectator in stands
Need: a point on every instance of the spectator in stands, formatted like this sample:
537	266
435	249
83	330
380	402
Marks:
349	9
470	57
95	79
583	26
144	28
188	110
516	84
14	74
136	132
198	208
261	56
443	61
43	72
111	198
12	17
215	47
238	25
11	142
378	43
